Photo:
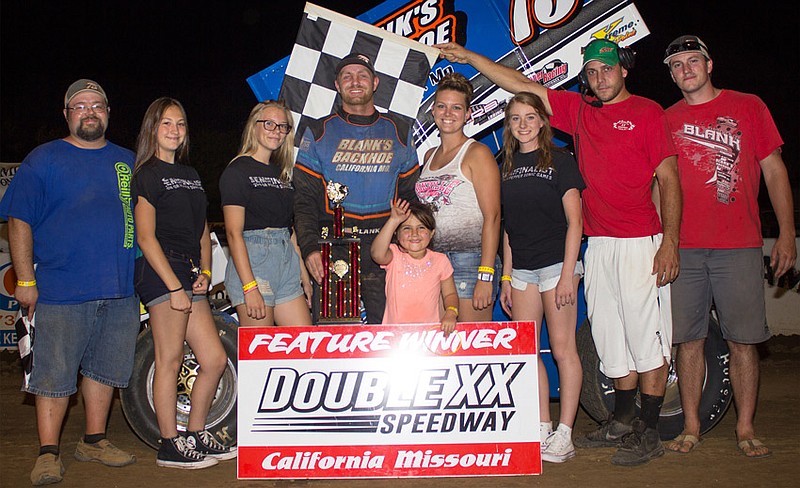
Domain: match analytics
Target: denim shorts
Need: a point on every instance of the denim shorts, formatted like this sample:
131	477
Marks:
465	272
547	277
96	338
275	265
152	290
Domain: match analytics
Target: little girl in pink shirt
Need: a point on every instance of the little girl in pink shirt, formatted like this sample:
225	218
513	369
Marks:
416	277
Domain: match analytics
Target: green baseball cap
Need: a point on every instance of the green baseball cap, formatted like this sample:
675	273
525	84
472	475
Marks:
603	50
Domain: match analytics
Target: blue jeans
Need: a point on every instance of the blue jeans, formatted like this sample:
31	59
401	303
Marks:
96	338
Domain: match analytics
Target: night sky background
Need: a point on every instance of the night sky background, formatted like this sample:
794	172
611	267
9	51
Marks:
202	52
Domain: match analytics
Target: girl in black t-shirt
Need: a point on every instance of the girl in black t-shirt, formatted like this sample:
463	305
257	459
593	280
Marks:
172	278
265	279
543	228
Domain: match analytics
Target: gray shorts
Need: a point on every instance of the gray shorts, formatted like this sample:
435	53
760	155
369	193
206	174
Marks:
731	279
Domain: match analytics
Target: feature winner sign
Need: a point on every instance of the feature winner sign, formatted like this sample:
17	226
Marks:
388	401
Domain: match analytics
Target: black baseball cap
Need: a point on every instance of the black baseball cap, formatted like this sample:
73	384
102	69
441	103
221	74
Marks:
355	58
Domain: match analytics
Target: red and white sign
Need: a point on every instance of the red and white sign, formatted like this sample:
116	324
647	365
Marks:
388	401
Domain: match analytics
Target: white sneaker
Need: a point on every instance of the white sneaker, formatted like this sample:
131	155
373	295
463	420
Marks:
545	431
559	447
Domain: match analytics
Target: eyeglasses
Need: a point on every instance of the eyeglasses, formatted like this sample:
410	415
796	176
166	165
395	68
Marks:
271	125
82	108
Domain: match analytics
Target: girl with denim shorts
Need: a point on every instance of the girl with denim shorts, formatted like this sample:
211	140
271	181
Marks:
460	179
265	279
541	242
172	278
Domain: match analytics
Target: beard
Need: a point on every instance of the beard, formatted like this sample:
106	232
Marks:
607	97
89	134
365	98
359	100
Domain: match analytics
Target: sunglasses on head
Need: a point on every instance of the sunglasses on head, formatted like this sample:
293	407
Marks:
687	45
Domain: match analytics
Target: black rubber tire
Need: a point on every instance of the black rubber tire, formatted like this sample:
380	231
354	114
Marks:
597	390
137	399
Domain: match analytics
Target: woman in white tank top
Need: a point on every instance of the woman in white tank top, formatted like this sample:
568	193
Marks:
461	180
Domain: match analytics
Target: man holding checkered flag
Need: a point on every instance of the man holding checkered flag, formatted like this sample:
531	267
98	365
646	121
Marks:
370	152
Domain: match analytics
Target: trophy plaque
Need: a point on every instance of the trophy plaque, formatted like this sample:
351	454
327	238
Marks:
340	290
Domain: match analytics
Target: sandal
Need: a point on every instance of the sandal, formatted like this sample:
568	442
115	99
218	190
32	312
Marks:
748	446
676	444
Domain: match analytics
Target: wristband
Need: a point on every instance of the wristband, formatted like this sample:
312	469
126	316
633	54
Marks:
26	283
249	286
250	289
486	269
180	288
207	273
505	278
454	309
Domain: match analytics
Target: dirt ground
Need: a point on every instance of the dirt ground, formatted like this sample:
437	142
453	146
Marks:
715	463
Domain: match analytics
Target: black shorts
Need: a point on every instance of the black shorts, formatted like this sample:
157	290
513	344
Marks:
148	284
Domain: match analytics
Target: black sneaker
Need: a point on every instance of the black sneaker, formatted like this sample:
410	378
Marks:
639	447
204	443
609	434
175	453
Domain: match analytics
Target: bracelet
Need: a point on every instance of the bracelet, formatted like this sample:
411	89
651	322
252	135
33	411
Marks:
250	289
180	288
207	273
26	283
485	276
454	309
249	286
505	278
485	269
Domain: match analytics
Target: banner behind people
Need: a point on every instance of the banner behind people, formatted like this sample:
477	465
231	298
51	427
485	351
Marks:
543	38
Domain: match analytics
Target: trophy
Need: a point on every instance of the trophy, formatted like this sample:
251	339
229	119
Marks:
340	290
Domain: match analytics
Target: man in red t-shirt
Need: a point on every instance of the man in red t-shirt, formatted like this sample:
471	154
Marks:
622	141
725	140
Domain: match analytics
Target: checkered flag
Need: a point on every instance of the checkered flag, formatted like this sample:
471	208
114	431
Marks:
324	38
25	333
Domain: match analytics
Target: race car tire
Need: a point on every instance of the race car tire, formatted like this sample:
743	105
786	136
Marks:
597	390
137	399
